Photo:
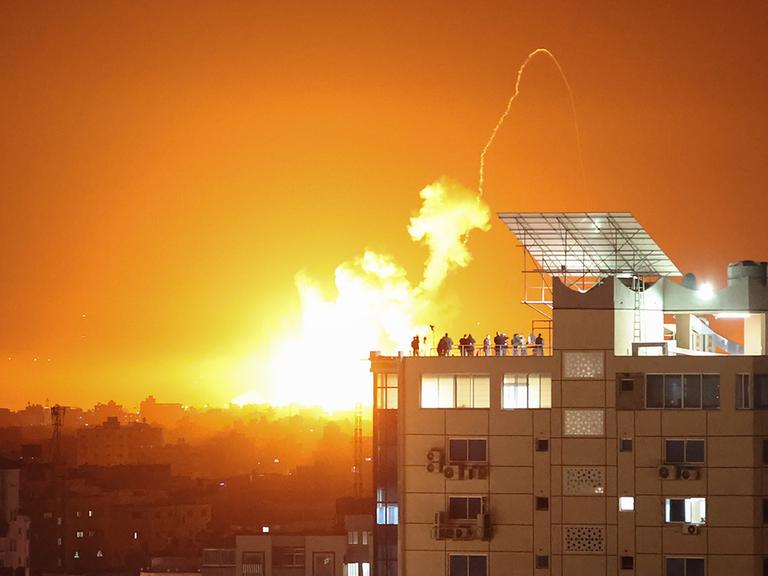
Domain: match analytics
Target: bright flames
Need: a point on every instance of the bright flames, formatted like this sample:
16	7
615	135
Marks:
324	362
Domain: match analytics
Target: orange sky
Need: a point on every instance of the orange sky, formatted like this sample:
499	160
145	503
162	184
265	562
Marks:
167	167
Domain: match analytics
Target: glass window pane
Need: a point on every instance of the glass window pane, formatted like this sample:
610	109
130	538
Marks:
478	565
675	451
445	392
546	391
463	392
695	510
692	391
429	392
694	451
675	510
474	507
710	384
675	566
743	392
482	392
457	450
478	451
457	508
694	567
533	390
673	391
761	390
458	566
654	391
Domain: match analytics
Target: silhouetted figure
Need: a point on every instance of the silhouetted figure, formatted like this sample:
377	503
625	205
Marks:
504	344
470	343
415	345
441	346
463	345
448	344
498	342
487	345
539	349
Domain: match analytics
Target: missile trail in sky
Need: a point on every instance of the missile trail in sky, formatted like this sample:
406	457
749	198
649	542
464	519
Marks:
503	117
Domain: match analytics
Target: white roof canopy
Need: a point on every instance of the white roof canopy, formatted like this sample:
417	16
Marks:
589	244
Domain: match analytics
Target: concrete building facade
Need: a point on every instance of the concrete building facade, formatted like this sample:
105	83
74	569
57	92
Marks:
638	444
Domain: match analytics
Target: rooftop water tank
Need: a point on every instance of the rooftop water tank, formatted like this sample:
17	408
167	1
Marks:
747	269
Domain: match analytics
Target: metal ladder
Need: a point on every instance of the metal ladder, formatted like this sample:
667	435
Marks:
638	287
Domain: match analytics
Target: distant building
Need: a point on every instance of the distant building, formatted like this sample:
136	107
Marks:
164	413
14	527
290	555
219	562
113	443
633	440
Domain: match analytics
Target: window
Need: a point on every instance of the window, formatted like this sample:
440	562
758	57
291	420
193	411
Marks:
366	536
626	503
455	391
684	451
465	565
527	391
627	384
542	445
542	561
627	562
79	534
685	566
688	510
386	391
765	451
386	506
542	503
674	391
465	507
765	510
744	394
352	537
467	450
625	445
253	564
761	391
288	556
323	563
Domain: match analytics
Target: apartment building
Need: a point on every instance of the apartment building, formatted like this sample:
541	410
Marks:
115	444
633	442
290	555
14	526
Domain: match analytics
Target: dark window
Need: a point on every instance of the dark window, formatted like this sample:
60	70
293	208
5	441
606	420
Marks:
464	507
253	563
685	567
694	451
468	565
625	445
692	391
765	451
467	450
627	385
761	390
744	394
765	566
288	557
710	395
654	391
675	451
542	445
673	391
676	510
627	562
542	503
542	561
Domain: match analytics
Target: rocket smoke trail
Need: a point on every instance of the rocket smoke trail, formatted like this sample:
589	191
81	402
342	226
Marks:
509	106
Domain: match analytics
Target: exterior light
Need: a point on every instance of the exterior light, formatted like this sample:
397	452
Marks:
706	291
727	315
265	529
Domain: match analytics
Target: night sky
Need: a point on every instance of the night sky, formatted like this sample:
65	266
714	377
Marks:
166	168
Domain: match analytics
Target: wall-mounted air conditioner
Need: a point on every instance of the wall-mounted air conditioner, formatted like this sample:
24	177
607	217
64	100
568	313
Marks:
669	472
691	529
435	460
689	474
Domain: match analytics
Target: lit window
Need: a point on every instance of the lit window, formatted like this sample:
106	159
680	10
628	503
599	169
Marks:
526	391
99	554
90	513
467	450
79	534
365	535
688	510
386	513
386	391
626	503
455	391
352	537
135	535
366	569
467	565
76	555
353	569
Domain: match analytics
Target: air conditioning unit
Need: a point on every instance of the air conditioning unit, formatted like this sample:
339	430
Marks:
669	472
435	460
453	473
689	474
478	472
691	529
464	532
